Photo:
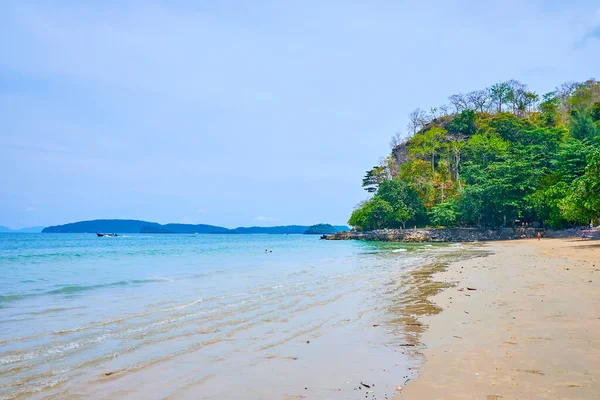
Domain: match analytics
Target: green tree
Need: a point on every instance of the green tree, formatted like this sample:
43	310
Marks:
582	126
358	218
583	98
428	143
463	123
444	214
529	101
504	186
571	160
547	204
418	174
499	94
470	205
549	108
486	147
583	202
373	214
403	198
595	113
373	178
510	127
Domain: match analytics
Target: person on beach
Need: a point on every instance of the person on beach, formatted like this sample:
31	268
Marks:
539	236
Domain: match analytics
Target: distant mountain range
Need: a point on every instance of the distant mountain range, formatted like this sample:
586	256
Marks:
32	229
136	226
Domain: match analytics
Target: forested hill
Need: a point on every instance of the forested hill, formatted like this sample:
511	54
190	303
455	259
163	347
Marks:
495	157
136	226
131	226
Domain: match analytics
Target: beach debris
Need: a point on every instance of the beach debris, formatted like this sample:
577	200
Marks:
110	373
470	288
399	388
308	342
466	312
407	345
458	337
365	385
419	324
375	325
460	290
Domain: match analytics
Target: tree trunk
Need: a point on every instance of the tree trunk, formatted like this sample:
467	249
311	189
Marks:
457	160
403	224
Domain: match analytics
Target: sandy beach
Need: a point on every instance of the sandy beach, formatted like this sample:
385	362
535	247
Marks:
530	330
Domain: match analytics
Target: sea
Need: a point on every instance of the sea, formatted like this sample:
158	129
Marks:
207	316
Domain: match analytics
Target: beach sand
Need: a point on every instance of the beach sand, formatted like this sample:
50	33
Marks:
530	330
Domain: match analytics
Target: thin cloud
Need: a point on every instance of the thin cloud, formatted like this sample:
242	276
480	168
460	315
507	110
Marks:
265	219
594	34
29	146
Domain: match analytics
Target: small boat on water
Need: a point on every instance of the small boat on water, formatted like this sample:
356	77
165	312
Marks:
106	234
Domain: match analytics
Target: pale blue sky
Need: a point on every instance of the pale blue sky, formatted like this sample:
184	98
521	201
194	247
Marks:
246	112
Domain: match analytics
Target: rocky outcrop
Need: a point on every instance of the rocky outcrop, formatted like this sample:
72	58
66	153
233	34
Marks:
448	234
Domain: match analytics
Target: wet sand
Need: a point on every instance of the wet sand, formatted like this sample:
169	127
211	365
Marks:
530	330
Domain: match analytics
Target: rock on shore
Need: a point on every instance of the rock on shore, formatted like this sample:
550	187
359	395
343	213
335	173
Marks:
448	234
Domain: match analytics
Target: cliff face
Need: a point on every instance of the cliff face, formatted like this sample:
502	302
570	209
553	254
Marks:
400	153
448	234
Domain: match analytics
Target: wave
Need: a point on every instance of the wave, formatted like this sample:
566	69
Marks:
5	299
399	251
73	289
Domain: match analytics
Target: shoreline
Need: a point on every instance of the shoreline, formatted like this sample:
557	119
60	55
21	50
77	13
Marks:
458	235
529	330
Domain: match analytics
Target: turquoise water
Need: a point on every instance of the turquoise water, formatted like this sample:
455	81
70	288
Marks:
88	316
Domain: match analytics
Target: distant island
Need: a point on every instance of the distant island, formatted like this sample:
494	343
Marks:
32	229
324	229
137	226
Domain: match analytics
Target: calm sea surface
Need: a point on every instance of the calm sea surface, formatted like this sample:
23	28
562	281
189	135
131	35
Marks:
201	316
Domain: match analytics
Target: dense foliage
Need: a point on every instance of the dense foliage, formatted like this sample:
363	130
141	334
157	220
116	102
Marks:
504	156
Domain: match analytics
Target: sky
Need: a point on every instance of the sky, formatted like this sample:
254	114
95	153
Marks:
239	113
